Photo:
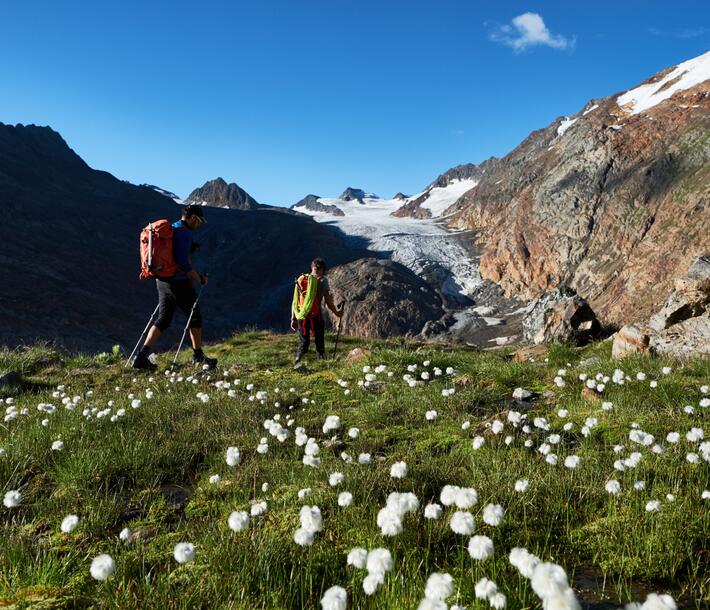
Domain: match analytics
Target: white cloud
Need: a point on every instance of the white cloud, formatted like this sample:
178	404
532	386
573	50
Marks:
528	30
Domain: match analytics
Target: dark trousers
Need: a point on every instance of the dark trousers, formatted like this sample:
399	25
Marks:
173	294
314	325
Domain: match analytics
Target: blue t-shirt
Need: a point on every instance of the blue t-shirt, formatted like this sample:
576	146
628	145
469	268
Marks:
182	242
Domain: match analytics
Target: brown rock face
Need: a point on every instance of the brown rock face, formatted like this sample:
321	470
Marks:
615	206
560	317
383	298
629	340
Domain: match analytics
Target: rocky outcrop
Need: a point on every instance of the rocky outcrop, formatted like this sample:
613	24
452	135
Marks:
560	316
312	203
352	194
218	194
382	298
682	327
613	201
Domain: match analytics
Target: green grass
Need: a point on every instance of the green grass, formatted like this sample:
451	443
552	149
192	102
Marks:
149	472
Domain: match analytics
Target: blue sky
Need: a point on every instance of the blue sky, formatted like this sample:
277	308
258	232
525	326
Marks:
293	97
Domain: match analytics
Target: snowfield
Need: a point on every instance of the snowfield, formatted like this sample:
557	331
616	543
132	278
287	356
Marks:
416	244
684	76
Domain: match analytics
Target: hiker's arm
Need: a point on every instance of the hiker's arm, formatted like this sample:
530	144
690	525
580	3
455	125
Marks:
331	305
197	278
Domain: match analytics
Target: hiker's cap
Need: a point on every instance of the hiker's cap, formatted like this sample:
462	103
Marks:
196	211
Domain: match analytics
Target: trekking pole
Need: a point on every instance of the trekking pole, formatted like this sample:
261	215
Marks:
189	319
145	330
340	324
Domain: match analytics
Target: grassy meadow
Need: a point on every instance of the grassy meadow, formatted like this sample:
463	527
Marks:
140	477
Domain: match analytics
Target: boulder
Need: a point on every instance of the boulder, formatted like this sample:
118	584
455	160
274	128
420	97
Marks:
690	297
10	379
383	299
629	339
560	316
690	337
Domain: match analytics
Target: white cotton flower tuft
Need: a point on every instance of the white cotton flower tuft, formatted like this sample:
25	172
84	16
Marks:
399	470
480	547
498	600
433	604
549	580
465	497
379	561
521	486
238	520
303	537
572	461
524	561
364	458
357	558
125	534
258	508
336	478
184	552
439	586
613	486
433	511
214	479
493	514
302	493
12	498
462	523
431	415
477	442
58	446
372	582
654	601
102	566
485	588
233	456
345	499
335	598
354	432
332	422
652	506
69	524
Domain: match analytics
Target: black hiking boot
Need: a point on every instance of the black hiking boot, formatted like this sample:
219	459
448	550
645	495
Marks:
142	362
298	358
198	357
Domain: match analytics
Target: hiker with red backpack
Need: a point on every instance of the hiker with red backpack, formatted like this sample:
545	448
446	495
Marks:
307	311
165	256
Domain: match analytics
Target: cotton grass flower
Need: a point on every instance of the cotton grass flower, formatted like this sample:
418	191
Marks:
335	598
335	479
238	520
521	485
12	498
332	422
480	548
69	524
613	487
124	534
477	442
357	558
498	600
572	461
439	586
463	523
524	561
485	588
102	566
58	446
258	509
431	415
184	552
233	456
493	514
214	479
549	581
652	506
345	499
432	511
399	470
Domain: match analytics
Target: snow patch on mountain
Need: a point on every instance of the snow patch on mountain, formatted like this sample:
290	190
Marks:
441	198
684	76
417	244
565	125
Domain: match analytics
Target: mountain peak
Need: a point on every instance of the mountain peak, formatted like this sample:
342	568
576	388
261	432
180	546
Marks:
355	194
218	193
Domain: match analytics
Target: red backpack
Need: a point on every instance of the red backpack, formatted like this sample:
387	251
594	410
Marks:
156	244
302	286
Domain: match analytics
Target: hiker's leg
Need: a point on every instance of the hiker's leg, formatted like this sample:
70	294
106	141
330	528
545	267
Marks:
319	328
304	330
196	338
166	309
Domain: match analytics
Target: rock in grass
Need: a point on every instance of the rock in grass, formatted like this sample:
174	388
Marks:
521	393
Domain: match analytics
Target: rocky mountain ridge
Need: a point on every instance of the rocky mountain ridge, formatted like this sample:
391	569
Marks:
218	193
601	200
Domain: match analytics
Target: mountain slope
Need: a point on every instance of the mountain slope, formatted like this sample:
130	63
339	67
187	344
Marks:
613	201
69	262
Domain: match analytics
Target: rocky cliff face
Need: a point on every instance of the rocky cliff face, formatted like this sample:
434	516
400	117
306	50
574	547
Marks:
312	203
613	201
218	194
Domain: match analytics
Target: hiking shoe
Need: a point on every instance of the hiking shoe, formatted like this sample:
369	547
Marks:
200	358
321	356
297	359
142	361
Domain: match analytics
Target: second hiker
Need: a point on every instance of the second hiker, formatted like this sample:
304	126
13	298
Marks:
307	310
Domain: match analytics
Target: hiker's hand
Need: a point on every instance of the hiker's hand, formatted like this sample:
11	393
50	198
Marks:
293	324
203	279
